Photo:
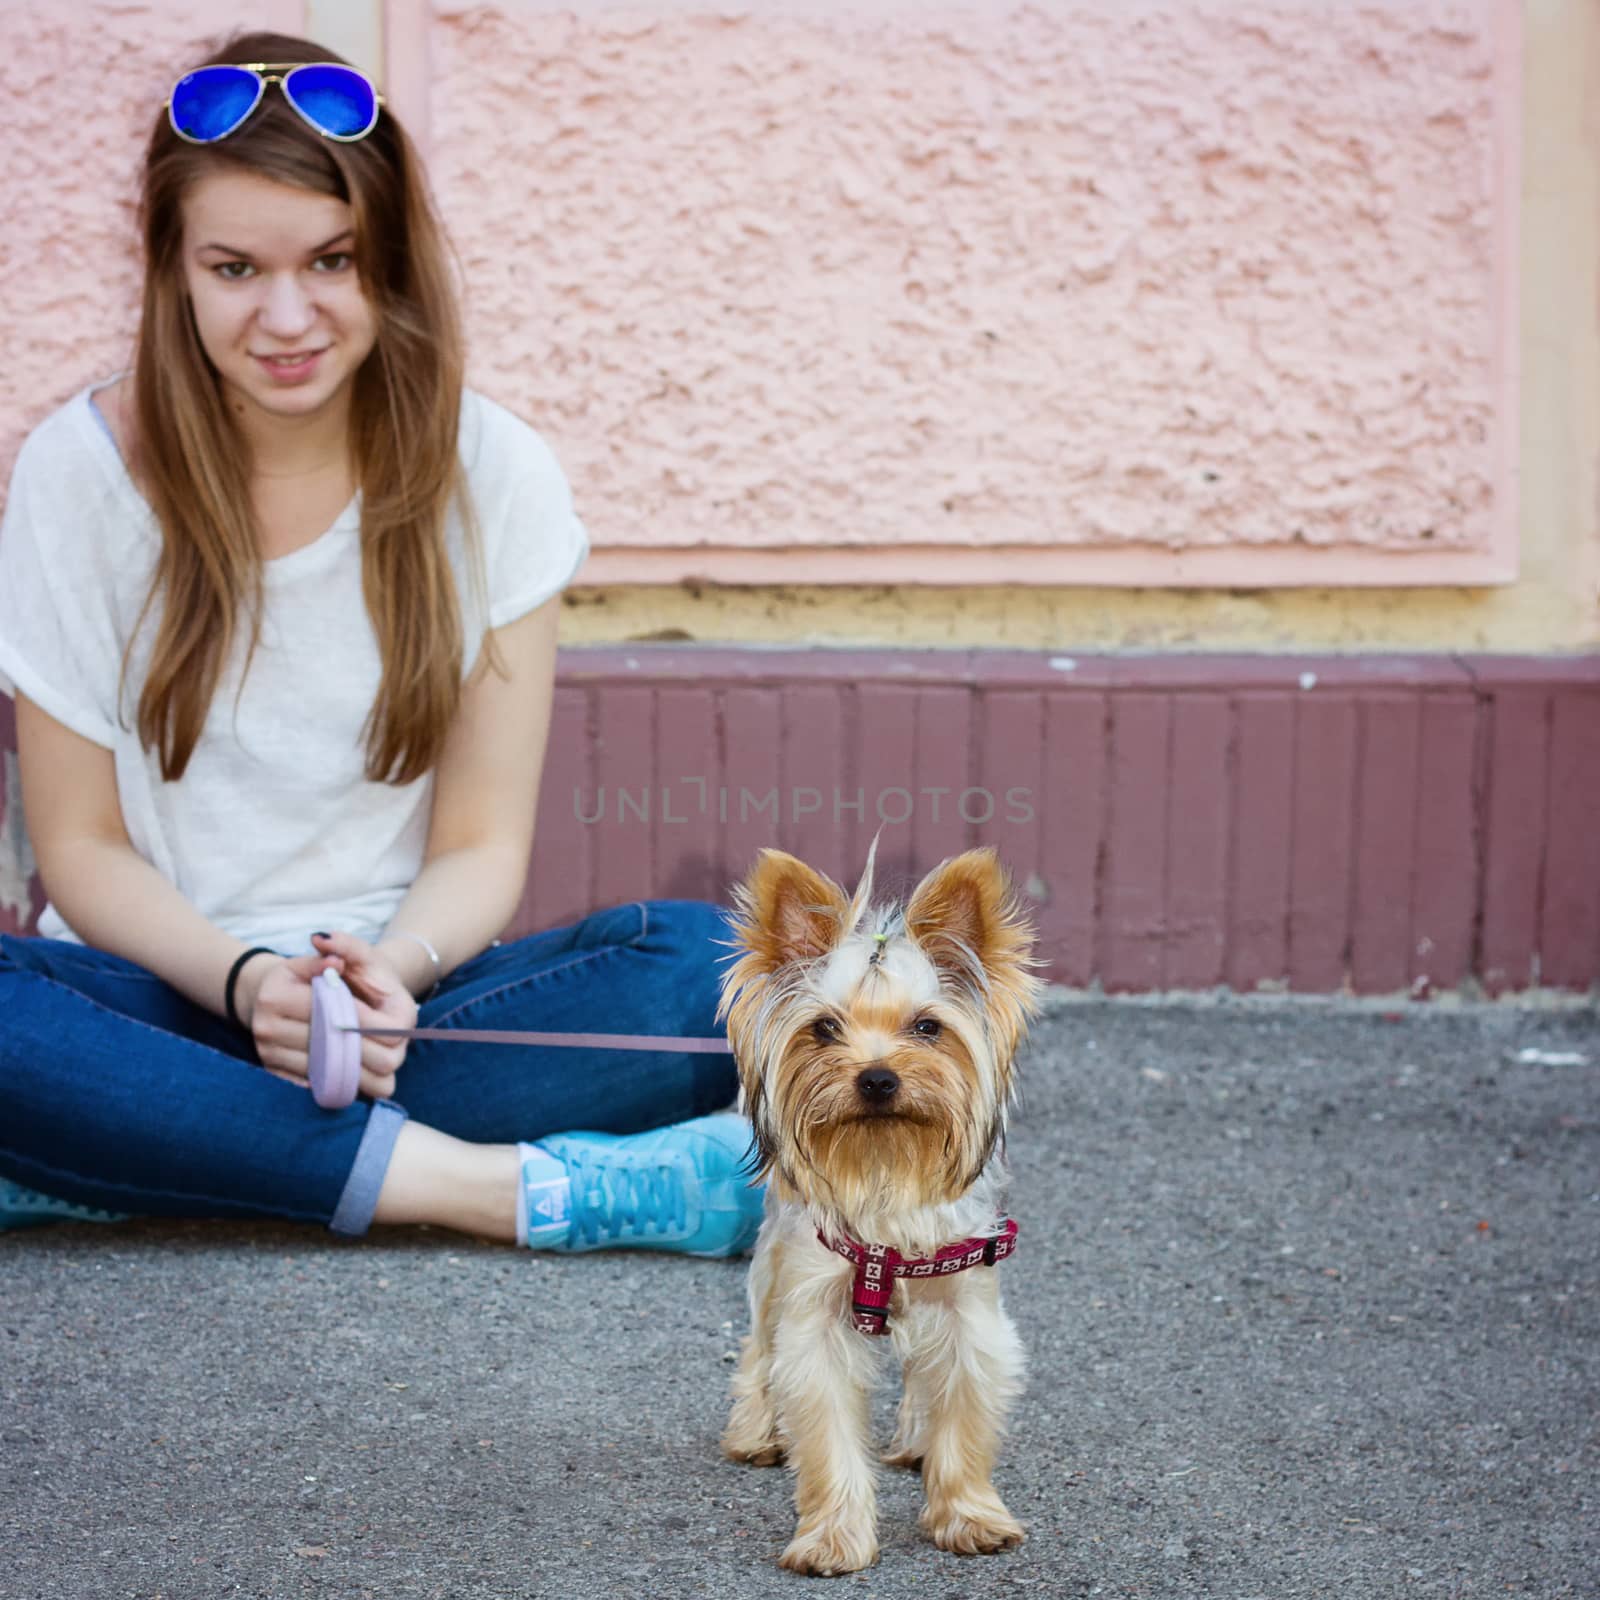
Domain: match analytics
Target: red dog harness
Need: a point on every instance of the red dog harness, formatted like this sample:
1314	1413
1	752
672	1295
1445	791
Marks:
877	1267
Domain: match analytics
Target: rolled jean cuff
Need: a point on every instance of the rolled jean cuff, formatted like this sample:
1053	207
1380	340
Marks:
353	1214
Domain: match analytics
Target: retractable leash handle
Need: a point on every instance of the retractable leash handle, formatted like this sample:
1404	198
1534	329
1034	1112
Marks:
335	1055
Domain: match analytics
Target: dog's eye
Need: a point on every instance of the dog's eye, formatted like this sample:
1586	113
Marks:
825	1030
927	1027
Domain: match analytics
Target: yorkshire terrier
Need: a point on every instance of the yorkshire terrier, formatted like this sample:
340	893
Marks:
875	1047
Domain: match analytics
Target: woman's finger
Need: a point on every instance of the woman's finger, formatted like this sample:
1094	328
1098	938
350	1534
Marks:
384	1059
377	1086
382	1053
376	1082
283	1061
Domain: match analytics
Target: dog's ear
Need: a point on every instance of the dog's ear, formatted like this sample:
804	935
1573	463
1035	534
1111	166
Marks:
789	911
971	925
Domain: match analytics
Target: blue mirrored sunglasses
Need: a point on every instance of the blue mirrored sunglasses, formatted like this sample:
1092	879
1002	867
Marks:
211	102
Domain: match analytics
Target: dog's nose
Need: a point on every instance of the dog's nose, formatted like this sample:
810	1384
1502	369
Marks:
877	1084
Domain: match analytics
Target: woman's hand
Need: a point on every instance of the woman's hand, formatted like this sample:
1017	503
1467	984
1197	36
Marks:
281	1017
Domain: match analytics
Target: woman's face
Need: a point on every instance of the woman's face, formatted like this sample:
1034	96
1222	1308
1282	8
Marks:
277	304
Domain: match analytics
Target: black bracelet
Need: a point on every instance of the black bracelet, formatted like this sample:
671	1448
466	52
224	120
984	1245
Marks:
233	978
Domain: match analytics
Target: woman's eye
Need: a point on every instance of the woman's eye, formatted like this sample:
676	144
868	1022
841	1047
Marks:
927	1027
825	1029
342	258
224	270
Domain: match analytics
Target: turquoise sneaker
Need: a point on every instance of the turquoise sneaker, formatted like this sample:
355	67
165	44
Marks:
27	1208
681	1188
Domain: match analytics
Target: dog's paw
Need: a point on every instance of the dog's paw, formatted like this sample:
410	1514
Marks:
830	1549
910	1459
974	1530
769	1454
752	1436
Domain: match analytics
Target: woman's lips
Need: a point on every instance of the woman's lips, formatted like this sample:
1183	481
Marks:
302	366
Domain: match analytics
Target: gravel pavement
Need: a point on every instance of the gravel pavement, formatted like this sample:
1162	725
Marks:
1311	1294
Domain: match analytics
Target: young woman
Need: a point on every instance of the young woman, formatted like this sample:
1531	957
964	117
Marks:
278	610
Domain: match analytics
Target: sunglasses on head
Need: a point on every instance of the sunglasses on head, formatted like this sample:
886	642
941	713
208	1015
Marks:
211	102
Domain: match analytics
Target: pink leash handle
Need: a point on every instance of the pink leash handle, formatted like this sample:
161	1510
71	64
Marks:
335	1053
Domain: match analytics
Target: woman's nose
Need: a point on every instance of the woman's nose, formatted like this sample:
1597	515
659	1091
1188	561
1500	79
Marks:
287	309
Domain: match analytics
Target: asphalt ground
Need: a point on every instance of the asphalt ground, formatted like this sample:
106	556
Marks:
1311	1298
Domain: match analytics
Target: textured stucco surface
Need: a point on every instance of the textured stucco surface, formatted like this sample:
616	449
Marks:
85	84
67	306
1553	606
1072	274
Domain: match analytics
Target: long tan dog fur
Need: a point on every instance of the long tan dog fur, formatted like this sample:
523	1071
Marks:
831	997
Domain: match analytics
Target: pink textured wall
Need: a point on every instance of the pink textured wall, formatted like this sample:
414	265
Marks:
1200	277
1072	292
84	83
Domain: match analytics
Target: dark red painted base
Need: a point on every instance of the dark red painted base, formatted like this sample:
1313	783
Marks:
1316	823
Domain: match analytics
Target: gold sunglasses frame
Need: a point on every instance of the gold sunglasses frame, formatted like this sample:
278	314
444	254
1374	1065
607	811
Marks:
278	72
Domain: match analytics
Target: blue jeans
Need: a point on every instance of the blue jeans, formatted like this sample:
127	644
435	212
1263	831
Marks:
117	1091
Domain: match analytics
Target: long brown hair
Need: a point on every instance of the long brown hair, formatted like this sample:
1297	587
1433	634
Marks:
193	463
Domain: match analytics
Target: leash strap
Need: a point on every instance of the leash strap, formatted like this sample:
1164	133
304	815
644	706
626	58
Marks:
576	1041
333	1060
877	1267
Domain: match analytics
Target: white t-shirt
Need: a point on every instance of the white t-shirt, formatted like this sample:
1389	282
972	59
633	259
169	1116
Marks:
274	829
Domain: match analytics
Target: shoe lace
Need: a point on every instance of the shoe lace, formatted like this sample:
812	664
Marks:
616	1199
